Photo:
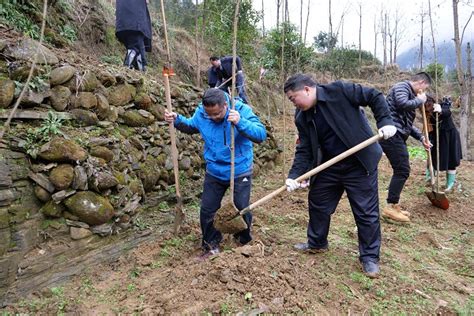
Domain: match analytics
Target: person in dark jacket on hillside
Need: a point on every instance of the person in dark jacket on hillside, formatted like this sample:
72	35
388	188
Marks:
330	121
213	119
133	29
450	153
221	70
403	100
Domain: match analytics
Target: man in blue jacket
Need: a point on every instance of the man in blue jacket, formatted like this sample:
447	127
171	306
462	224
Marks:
213	119
330	121
403	100
221	70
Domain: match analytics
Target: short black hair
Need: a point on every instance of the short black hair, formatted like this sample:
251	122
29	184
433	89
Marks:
213	96
298	82
422	76
213	58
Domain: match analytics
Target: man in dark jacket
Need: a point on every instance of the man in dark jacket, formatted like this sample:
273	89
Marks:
330	121
221	71
213	119
133	29
403	100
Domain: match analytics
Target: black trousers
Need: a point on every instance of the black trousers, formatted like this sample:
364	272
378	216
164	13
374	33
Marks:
362	191
395	148
214	190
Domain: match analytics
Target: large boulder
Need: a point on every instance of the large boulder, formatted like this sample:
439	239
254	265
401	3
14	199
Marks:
90	207
137	118
85	100
59	97
121	94
85	117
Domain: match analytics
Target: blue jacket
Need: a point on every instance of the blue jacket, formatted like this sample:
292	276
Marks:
217	139
340	102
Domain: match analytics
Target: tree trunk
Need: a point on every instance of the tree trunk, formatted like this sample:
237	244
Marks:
278	13
375	36
464	113
384	37
330	27
263	20
301	20
422	39
469	101
360	34
306	27
198	57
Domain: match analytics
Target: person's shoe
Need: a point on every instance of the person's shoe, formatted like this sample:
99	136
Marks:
370	269
130	58
394	212
450	180
304	247
206	254
427	176
139	65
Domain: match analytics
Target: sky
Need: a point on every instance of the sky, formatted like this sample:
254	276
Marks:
410	11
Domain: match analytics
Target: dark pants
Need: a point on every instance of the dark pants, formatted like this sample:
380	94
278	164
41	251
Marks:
362	191
397	153
213	192
134	40
240	86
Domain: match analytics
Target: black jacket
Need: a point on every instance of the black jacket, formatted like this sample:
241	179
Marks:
445	119
340	104
133	15
402	102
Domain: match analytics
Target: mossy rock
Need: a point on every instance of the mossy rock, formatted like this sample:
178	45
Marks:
62	176
90	207
62	150
85	117
61	75
121	94
59	97
51	209
7	92
84	100
102	152
134	118
42	194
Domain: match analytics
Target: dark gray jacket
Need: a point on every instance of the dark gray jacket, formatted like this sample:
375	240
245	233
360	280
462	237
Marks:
133	15
402	102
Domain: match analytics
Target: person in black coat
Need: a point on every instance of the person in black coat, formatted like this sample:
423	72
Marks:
133	29
330	121
450	153
221	70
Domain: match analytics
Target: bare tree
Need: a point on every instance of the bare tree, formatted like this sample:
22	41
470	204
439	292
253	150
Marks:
360	33
198	57
398	33
307	19
301	19
376	33
263	19
278	13
464	114
384	36
422	21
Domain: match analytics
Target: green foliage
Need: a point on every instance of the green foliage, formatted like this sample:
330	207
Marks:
113	60
436	71
35	138
344	62
68	32
324	42
219	27
417	152
296	54
15	13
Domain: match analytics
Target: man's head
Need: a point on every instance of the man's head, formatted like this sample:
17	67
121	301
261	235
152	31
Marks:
215	61
301	91
420	81
215	104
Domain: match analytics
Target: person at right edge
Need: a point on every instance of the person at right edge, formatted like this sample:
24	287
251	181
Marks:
330	120
403	99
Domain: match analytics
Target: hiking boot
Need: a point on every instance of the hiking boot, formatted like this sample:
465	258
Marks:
207	254
394	212
130	57
304	247
370	269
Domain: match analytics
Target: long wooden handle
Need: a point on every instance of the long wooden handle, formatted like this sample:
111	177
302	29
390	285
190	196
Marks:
425	132
314	171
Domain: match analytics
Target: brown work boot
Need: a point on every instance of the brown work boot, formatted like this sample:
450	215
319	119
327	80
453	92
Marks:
394	212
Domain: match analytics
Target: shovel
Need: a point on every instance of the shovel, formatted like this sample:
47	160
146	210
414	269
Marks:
229	222
436	198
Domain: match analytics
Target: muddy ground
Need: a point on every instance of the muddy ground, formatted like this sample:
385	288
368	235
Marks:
426	266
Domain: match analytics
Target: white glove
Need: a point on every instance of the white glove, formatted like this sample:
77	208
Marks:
436	108
422	97
388	131
292	185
